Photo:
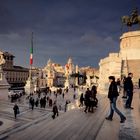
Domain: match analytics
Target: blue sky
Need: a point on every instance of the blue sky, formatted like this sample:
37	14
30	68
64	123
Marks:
86	30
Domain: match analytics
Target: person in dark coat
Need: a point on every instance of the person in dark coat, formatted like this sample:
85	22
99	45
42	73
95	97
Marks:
55	111
87	100
32	102
124	88
81	100
94	95
129	90
44	102
112	95
41	102
16	110
37	102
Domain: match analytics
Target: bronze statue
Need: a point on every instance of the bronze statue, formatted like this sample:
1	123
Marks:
134	18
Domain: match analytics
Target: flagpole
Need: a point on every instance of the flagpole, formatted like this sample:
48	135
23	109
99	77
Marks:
31	62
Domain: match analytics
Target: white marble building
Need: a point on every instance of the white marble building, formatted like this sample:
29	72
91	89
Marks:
120	64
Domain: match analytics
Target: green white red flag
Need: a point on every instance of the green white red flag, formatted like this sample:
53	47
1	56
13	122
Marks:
31	55
31	51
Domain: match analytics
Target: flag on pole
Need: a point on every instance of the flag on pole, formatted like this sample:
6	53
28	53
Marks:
31	51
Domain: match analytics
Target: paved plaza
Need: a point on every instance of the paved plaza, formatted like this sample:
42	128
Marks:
72	125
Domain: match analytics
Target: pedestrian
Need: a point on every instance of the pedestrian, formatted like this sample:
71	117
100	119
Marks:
118	85
139	83
129	91
32	102
81	100
55	111
124	88
112	95
44	102
41	102
37	102
94	95
66	105
87	100
50	102
63	95
74	96
16	110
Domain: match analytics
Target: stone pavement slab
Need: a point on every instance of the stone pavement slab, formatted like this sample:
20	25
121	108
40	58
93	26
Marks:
77	125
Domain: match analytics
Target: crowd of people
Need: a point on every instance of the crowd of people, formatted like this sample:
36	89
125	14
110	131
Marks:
88	100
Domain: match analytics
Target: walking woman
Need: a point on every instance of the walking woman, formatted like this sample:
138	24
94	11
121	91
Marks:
112	95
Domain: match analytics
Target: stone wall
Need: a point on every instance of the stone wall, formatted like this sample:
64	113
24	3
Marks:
130	53
110	65
134	67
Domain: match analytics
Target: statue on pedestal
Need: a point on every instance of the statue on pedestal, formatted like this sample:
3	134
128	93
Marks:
4	86
134	18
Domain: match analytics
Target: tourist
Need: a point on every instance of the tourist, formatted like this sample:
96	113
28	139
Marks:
129	90
74	96
87	100
118	84
93	95
81	100
44	102
41	102
66	105
124	88
16	110
37	102
112	95
55	110
32	102
50	102
63	95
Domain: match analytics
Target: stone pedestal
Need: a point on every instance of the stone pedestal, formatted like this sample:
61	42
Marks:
29	87
4	86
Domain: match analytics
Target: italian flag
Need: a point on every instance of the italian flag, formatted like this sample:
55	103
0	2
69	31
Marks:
31	55
31	51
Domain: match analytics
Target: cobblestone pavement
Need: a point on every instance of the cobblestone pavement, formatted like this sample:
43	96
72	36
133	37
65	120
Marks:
72	125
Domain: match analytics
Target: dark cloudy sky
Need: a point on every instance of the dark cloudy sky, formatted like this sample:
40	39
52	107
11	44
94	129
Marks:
86	30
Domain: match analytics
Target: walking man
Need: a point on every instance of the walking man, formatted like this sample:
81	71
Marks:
55	111
112	95
16	110
129	90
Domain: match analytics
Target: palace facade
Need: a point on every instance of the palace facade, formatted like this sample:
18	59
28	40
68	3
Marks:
15	75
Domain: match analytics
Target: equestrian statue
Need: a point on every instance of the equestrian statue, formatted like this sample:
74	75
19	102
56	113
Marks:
133	19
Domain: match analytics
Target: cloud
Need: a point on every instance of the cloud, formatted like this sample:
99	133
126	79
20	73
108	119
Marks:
87	30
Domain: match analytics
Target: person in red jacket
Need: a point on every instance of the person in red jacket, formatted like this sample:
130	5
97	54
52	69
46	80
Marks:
112	95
